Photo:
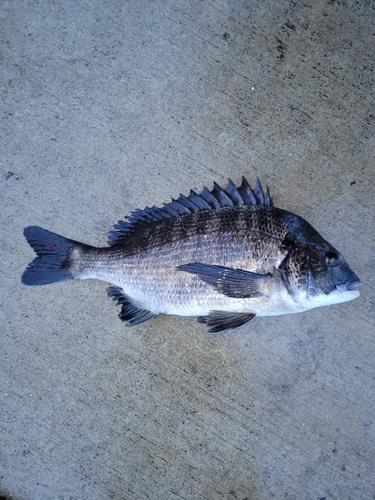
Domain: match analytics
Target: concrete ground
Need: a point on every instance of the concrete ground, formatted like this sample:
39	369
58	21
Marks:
112	105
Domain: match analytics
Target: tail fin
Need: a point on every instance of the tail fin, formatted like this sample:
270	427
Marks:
53	262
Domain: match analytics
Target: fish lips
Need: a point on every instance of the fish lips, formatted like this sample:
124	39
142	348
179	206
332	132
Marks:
349	285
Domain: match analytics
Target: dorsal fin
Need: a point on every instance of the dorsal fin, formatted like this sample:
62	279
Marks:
192	204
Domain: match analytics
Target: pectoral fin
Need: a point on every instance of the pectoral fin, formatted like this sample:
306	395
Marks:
221	321
235	283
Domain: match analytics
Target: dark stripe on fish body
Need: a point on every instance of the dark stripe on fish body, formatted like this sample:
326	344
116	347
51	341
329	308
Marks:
240	221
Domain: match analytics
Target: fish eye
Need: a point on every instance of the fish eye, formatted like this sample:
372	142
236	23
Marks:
332	259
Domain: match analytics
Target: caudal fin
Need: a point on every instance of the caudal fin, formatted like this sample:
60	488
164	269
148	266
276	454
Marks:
54	257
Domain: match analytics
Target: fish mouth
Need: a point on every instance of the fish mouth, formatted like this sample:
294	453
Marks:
349	285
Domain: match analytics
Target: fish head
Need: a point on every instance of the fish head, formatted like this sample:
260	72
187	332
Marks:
315	273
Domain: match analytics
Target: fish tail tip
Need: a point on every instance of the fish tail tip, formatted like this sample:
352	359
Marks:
52	263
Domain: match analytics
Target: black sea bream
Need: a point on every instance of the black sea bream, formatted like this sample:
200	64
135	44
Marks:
225	255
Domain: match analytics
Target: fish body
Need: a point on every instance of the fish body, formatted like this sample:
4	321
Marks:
225	255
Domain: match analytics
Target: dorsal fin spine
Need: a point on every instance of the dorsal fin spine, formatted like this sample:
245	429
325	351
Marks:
188	204
258	192
233	193
210	198
221	196
246	193
199	201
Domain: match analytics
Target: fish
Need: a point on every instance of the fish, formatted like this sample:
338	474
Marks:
225	256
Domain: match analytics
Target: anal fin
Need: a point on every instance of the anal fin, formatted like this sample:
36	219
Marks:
221	321
129	312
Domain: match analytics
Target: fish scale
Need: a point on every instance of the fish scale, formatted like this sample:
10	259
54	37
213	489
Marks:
225	255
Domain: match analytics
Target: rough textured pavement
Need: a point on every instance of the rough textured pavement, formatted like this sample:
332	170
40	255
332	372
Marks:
112	105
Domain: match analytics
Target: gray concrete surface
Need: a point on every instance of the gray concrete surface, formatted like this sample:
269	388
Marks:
112	105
